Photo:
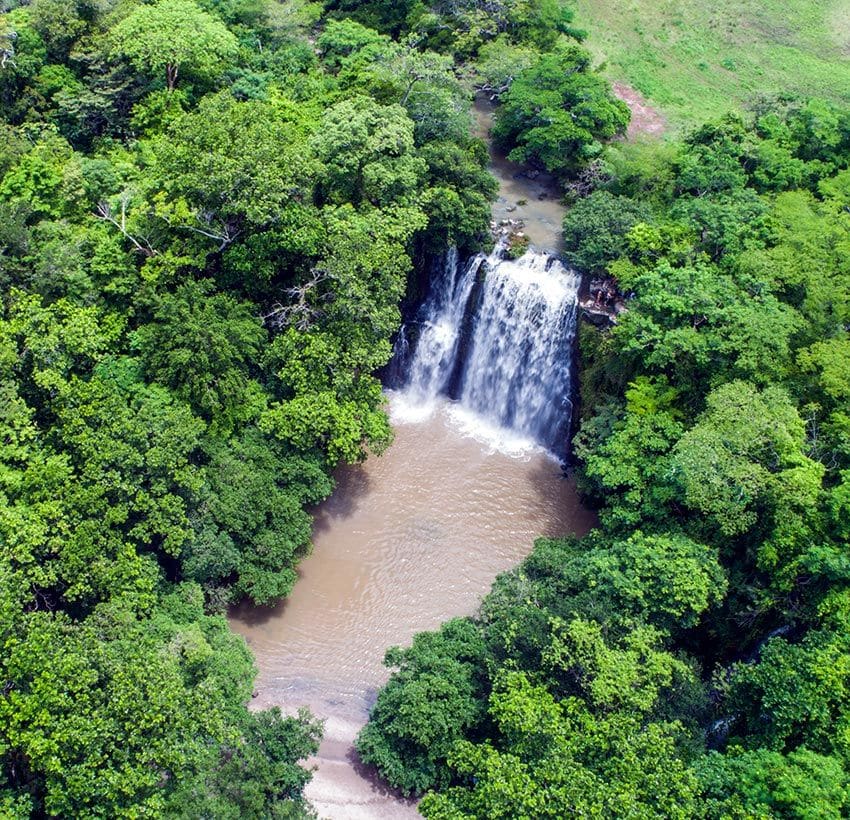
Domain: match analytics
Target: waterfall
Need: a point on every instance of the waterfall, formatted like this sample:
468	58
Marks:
518	372
501	344
439	331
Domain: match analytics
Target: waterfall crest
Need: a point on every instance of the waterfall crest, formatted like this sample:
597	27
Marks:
497	335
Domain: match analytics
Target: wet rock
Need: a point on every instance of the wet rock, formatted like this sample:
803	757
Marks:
508	229
604	302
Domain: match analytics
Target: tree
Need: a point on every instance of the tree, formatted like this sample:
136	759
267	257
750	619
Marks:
422	82
733	464
257	775
499	62
795	695
389	16
22	56
557	760
632	675
131	446
201	345
763	784
539	22
829	364
250	523
59	23
39	177
53	342
624	456
596	228
332	410
432	700
108	714
666	580
230	169
338	335
7	43
172	35
457	199
557	111
343	38
366	151
696	325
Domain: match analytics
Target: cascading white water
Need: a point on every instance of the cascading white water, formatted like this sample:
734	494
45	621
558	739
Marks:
439	332
512	368
518	371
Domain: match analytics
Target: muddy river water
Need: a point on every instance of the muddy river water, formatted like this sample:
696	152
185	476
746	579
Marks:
407	540
529	196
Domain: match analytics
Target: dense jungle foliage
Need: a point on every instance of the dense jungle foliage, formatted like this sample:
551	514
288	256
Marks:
207	221
209	213
690	657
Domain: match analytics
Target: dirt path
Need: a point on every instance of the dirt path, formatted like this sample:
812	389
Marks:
646	120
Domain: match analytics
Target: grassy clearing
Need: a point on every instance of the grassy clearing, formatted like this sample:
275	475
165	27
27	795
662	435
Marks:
695	59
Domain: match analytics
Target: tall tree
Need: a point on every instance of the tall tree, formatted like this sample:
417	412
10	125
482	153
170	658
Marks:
173	35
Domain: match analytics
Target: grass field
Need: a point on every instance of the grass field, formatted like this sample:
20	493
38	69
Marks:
695	59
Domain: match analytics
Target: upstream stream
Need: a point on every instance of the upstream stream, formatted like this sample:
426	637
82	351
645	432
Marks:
417	535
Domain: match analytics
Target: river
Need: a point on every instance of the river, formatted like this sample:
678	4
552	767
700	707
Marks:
407	540
526	195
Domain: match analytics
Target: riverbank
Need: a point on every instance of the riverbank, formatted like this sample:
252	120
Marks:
534	197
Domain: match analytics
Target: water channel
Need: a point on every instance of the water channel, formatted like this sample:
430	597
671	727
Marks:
408	540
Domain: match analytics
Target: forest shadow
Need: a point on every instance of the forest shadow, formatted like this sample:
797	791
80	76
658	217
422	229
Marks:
352	484
568	516
377	785
253	614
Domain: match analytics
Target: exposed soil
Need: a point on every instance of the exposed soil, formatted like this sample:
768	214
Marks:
646	120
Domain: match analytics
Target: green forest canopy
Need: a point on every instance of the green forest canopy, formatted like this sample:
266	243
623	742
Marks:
209	214
206	228
689	657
